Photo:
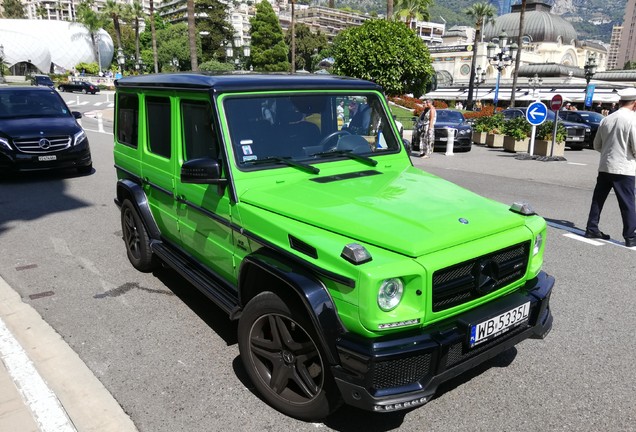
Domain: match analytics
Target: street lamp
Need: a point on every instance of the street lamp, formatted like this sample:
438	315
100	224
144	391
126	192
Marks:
121	59
501	59
533	83
480	78
590	68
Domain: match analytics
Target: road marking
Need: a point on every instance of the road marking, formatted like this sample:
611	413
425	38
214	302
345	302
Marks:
583	239
576	163
46	408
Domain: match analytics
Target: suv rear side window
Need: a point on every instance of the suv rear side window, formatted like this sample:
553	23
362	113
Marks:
127	119
159	128
198	135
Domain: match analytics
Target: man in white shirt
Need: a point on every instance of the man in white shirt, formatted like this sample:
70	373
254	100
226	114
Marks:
616	141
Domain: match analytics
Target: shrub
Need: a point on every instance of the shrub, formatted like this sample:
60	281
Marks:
546	129
491	124
518	128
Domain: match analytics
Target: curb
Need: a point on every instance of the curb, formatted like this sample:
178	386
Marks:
85	400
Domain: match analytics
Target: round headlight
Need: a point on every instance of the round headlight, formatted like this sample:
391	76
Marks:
390	294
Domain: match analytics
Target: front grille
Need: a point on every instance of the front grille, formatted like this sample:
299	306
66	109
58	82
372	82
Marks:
477	277
574	131
399	372
32	145
442	133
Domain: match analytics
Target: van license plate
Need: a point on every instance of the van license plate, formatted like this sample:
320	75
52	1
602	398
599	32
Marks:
498	325
47	158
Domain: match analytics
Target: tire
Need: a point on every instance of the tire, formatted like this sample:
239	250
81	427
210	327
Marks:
136	239
282	358
61	88
84	91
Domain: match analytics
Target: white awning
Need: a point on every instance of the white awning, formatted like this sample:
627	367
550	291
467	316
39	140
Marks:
452	94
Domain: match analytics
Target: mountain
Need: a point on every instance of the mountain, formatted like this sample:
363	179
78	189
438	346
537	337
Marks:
592	19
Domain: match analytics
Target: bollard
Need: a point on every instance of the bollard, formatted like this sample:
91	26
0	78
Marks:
107	96
450	141
100	122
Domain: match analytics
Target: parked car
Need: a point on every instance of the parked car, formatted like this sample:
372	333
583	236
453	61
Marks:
590	118
354	276
578	134
42	80
78	86
39	132
446	118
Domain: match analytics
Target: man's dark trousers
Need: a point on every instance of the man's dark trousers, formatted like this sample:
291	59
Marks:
623	186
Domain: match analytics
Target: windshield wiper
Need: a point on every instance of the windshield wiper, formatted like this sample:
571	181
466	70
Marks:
287	161
348	153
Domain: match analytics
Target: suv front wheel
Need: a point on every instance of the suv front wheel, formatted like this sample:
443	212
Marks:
286	365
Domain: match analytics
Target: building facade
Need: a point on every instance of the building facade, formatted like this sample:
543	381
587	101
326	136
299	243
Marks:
627	48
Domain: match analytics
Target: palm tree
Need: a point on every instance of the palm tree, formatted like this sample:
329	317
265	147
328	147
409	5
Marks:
515	73
389	9
192	36
153	32
482	14
414	9
135	12
114	10
93	22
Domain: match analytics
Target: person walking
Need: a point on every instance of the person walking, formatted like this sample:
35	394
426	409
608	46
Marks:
427	138
616	141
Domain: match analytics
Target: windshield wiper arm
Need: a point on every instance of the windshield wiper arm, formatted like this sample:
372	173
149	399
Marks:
348	153
287	161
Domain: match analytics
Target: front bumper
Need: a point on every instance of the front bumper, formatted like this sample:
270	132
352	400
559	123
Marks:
403	371
72	157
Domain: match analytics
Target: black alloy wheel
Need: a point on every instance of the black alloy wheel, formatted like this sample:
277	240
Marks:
136	239
280	354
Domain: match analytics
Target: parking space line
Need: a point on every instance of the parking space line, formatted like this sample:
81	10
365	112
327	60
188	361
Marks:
583	239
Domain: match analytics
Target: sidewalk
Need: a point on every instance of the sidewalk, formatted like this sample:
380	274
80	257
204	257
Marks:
44	385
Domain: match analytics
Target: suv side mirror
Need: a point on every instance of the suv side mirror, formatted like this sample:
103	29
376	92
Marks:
202	171
77	114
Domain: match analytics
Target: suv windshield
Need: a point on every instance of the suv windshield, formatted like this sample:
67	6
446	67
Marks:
309	128
27	103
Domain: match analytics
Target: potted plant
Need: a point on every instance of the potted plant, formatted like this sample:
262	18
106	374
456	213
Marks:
480	129
543	139
516	133
494	138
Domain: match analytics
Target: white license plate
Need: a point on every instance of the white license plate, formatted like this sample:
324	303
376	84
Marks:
443	139
498	325
576	138
47	158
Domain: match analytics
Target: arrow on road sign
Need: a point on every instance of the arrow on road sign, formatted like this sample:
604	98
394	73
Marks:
535	112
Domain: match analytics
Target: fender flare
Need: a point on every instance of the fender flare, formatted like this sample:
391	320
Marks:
311	291
127	188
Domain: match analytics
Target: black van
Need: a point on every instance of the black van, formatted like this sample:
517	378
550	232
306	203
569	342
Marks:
42	80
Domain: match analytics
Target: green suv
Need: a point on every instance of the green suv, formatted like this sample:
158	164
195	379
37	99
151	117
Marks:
292	203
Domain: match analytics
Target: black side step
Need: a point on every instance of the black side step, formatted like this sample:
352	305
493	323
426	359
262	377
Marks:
206	282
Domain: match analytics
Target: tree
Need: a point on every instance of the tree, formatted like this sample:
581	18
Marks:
307	45
93	22
173	47
389	9
482	13
154	35
212	27
135	12
192	36
386	52
268	51
515	72
414	9
13	9
114	11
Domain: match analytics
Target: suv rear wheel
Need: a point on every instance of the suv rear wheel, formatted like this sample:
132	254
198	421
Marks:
136	239
280	352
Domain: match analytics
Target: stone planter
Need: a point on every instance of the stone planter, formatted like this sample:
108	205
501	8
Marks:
494	140
479	138
542	148
512	145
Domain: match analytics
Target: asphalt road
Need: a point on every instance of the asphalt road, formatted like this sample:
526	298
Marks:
170	357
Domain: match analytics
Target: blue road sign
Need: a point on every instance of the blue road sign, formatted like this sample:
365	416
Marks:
589	94
536	113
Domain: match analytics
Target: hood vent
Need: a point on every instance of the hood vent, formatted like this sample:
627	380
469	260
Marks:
302	247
